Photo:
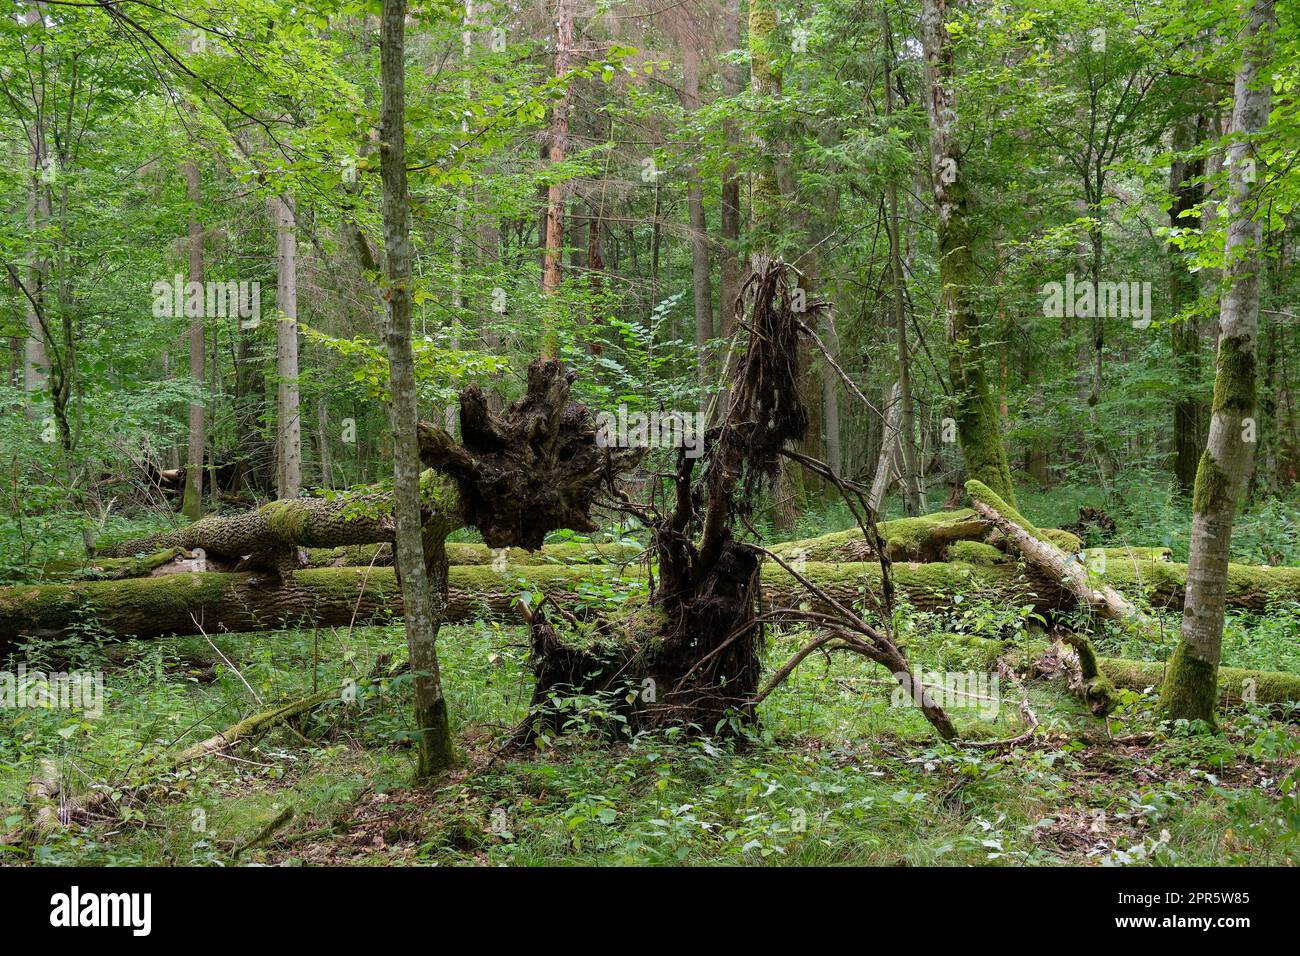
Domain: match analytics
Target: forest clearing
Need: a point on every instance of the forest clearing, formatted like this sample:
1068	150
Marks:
629	433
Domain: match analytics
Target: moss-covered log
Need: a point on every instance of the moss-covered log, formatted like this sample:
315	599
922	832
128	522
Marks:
273	535
923	538
178	560
150	607
1236	685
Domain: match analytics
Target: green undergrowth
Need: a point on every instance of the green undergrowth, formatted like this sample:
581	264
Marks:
841	771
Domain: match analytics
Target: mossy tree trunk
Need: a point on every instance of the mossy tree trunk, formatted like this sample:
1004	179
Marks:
180	603
975	412
270	536
420	612
1224	469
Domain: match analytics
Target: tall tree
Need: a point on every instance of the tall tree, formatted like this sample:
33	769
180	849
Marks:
730	267
976	413
288	416
701	267
35	360
1190	688
192	500
558	144
909	477
419	612
1185	336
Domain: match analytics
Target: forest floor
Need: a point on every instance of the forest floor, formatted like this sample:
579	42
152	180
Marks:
837	773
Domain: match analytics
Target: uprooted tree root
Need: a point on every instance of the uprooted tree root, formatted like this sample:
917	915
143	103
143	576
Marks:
691	656
530	470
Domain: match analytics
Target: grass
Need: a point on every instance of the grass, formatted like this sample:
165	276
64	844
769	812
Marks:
836	774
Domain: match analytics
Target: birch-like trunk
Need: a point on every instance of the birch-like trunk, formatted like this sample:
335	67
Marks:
906	435
288	436
1189	691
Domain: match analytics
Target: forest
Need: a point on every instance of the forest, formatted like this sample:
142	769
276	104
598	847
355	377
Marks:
649	433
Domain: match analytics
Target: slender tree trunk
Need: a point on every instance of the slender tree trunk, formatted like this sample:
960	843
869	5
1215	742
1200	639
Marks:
1185	337
975	412
552	259
36	362
192	500
730	268
831	399
701	279
288	414
906	460
322	430
1189	690
420	613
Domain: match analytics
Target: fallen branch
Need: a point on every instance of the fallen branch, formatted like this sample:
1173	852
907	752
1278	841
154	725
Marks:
243	730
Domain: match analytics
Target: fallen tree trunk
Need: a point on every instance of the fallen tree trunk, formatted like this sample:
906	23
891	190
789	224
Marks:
924	538
273	536
180	561
1274	689
245	729
154	607
1066	568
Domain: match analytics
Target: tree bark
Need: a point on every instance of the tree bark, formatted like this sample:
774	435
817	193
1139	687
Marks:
1185	336
701	281
906	459
192	500
975	412
730	268
288	415
1189	691
558	142
153	607
36	361
422	615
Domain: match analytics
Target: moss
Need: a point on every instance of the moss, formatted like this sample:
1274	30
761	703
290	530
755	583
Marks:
286	519
1234	379
1143	555
1067	541
1234	683
977	427
975	552
908	538
981	492
1098	689
438	492
1189	689
110	568
1213	491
